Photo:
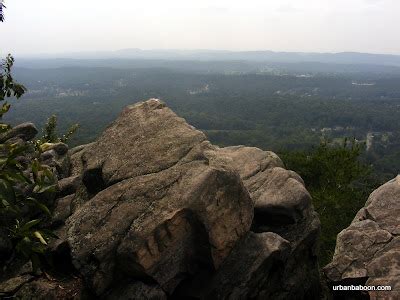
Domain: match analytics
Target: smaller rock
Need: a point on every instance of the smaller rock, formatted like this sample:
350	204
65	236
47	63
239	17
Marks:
26	269
59	163
62	210
280	197
78	148
368	251
13	284
43	288
59	148
256	255
25	131
248	161
47	155
68	186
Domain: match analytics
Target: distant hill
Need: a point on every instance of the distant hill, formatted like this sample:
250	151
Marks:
221	55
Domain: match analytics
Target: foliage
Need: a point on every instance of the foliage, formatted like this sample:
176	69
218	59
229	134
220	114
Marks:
24	186
8	88
338	182
2	6
50	134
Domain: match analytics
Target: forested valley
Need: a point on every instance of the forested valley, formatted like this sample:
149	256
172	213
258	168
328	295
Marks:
271	106
335	125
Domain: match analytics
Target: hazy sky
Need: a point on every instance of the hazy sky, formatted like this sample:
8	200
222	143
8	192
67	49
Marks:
48	26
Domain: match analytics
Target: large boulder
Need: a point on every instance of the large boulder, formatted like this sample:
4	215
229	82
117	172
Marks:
152	210
368	251
279	195
159	201
158	207
283	206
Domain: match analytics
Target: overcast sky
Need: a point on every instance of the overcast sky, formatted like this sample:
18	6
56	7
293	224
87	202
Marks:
56	26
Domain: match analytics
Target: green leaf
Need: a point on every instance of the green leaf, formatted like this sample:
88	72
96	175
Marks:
42	189
40	206
7	191
39	236
30	224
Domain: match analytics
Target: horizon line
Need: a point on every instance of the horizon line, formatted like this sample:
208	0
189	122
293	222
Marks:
116	51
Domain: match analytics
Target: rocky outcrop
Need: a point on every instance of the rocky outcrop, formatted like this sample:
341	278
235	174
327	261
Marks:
152	210
279	195
282	205
158	208
24	131
368	251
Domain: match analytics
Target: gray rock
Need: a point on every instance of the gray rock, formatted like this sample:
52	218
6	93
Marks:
155	211
145	139
68	186
48	155
24	131
159	207
279	195
10	286
44	289
60	163
78	149
254	269
248	161
76	164
383	206
60	148
62	210
283	206
368	251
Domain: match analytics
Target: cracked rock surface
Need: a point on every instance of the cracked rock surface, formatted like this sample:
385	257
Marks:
158	208
153	210
368	251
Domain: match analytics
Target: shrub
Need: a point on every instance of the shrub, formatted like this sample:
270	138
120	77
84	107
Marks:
24	186
50	134
338	182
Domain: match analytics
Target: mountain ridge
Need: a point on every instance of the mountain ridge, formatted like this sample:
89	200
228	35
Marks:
227	55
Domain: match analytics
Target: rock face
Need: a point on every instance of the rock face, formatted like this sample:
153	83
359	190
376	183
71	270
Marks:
282	205
368	251
152	210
